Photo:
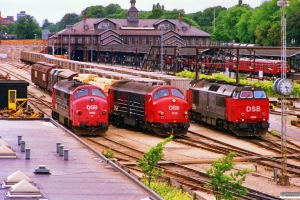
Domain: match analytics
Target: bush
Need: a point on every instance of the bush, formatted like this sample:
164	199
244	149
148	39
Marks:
109	153
168	192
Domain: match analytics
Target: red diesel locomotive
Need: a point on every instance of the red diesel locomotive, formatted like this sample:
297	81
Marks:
161	109
243	110
80	106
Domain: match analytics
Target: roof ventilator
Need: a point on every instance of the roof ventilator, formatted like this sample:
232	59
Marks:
23	189
6	152
42	170
14	178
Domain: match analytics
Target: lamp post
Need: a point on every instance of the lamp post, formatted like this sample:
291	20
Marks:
61	39
69	53
161	53
92	43
35	41
53	40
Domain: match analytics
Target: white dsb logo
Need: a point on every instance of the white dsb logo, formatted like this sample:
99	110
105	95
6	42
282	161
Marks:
253	108
173	107
91	107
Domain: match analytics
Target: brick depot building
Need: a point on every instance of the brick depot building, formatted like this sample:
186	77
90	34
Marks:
126	40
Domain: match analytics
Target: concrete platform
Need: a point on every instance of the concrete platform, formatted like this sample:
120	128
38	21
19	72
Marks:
83	176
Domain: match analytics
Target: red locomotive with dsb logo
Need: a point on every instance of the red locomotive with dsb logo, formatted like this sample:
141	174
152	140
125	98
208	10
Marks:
80	106
241	109
161	109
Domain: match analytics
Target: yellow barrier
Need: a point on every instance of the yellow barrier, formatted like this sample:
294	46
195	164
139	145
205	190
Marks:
24	42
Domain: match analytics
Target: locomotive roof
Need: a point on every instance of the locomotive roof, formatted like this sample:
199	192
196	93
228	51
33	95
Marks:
136	87
68	86
66	73
215	86
220	86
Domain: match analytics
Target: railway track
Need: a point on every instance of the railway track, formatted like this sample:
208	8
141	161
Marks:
214	145
132	154
193	179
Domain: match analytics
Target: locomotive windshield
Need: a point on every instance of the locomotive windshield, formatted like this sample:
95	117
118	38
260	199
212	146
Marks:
255	94
260	94
177	93
82	92
246	94
161	93
97	92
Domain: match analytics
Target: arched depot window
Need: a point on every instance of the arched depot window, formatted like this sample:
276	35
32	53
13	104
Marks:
97	92
161	93
82	92
177	93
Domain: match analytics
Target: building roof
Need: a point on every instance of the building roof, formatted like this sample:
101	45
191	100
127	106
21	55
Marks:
143	26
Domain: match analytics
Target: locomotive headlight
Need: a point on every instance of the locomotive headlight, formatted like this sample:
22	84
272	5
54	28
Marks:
78	112
161	113
92	100
173	100
104	112
186	112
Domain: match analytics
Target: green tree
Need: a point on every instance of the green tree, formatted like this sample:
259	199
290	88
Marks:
242	27
26	27
293	23
95	12
206	18
223	184
261	20
150	159
112	9
156	13
68	19
231	19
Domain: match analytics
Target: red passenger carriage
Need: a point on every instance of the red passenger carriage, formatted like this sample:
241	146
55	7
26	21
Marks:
80	106
161	109
265	66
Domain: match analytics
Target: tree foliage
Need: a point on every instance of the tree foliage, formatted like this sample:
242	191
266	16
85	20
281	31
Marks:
225	184
27	27
150	159
260	25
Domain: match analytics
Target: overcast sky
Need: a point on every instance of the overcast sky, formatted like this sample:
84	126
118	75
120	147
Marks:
54	10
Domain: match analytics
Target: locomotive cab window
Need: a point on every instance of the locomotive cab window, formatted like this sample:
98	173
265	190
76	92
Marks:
246	94
82	92
97	92
161	93
260	94
177	93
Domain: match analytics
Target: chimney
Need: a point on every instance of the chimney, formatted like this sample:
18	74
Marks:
84	16
180	17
